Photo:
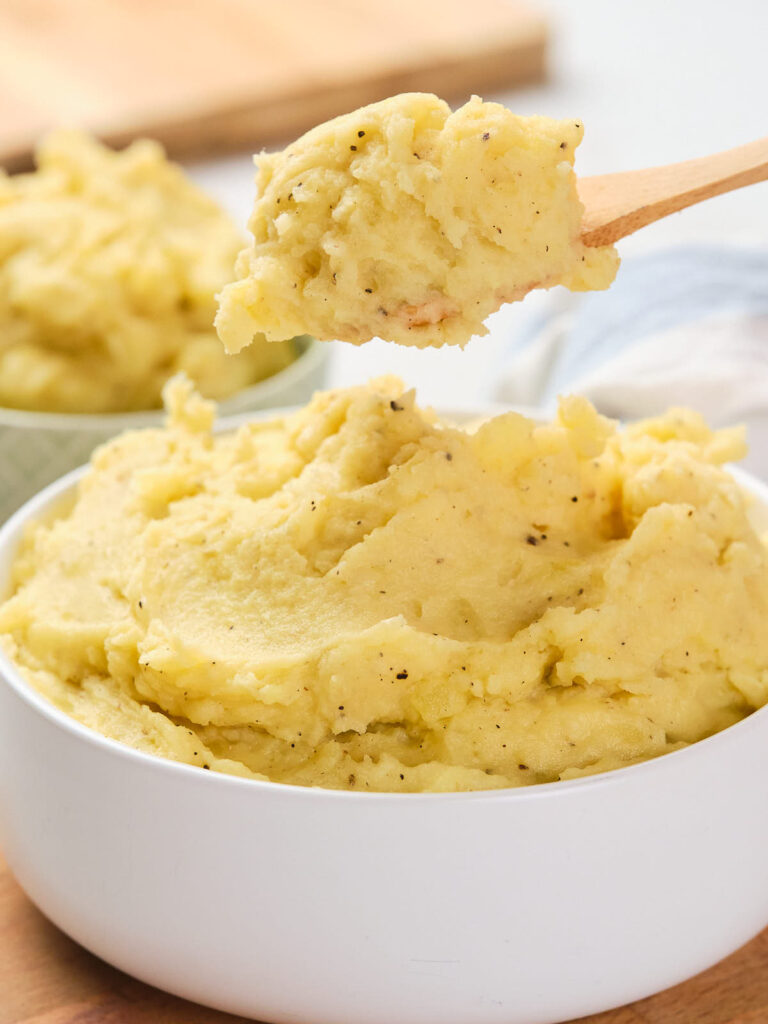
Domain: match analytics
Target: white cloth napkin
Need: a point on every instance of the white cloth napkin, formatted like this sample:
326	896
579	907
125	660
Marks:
682	327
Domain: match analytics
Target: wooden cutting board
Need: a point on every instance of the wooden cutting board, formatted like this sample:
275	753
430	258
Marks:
45	978
206	76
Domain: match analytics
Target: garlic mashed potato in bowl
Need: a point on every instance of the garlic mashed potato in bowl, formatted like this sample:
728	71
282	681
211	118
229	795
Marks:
358	596
110	263
528	904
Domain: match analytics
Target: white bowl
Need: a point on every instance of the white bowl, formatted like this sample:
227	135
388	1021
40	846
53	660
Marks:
37	447
307	905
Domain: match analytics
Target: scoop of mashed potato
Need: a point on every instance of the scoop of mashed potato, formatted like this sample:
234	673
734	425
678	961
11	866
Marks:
109	268
407	222
359	596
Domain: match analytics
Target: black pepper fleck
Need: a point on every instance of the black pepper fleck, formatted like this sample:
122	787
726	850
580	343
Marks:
402	675
395	406
530	539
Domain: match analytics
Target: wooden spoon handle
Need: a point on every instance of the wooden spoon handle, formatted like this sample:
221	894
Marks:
616	205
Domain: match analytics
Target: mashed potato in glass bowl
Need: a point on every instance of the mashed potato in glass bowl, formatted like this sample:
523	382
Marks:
110	263
109	267
359	596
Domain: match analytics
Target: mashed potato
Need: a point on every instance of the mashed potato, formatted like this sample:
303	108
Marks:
109	268
407	222
360	597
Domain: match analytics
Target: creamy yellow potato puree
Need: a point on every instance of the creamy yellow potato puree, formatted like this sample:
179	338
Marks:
109	268
361	597
408	222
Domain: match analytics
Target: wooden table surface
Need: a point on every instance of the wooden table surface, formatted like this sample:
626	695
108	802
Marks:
210	76
45	978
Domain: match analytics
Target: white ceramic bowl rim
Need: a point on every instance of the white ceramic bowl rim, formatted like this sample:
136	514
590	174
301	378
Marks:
10	534
310	354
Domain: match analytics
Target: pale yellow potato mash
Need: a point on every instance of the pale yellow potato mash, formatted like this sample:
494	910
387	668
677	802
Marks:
109	267
407	222
359	596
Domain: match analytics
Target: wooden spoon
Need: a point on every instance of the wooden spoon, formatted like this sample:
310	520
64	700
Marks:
616	205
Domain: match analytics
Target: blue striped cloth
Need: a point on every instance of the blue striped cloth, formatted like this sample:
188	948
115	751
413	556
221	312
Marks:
685	326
